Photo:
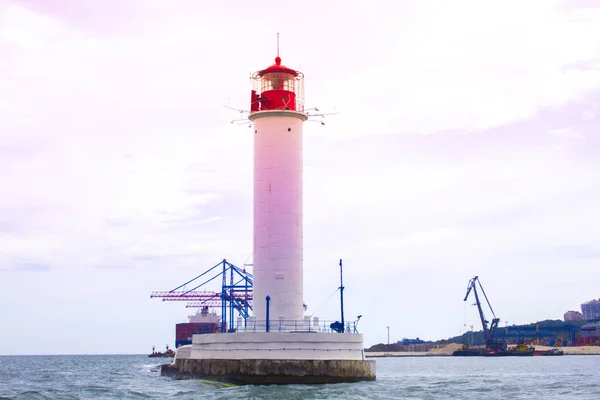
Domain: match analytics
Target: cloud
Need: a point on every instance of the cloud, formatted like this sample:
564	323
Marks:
513	203
467	70
466	143
566	132
27	267
562	252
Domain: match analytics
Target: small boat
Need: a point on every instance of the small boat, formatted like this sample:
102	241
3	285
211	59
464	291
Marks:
550	352
168	353
520	350
511	353
467	351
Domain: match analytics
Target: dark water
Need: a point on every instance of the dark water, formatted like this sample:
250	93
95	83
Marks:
137	377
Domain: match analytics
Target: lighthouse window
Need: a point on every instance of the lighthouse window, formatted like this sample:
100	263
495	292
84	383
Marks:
277	81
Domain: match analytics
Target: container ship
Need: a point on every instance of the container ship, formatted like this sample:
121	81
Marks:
200	323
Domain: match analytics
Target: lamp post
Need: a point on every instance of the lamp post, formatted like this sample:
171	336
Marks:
268	299
388	329
471	335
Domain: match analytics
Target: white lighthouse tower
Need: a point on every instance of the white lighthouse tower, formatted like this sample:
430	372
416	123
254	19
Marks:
278	344
277	111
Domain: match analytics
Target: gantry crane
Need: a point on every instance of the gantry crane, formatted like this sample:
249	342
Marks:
491	343
236	292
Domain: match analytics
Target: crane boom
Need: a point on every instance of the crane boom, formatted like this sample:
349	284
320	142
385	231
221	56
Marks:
488	332
236	291
199	296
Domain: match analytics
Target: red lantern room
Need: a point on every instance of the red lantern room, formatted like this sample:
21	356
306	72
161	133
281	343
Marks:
277	88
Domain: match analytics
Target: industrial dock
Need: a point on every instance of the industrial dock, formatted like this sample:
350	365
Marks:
448	350
577	334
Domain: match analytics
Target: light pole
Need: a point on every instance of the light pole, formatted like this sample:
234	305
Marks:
388	329
471	335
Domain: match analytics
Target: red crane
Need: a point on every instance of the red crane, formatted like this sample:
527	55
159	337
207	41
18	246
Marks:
182	295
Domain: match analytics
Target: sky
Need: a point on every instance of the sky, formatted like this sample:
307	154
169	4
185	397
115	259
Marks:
467	142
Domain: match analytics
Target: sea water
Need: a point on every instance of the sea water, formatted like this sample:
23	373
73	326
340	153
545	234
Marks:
138	377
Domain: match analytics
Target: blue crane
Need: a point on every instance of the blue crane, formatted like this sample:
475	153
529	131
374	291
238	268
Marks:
235	295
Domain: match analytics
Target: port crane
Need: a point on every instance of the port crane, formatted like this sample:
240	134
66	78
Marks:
491	342
235	295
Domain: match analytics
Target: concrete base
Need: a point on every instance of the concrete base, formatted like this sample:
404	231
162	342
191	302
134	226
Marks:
272	371
276	346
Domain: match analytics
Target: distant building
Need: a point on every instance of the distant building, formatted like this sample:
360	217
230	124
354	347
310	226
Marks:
591	330
591	310
573	316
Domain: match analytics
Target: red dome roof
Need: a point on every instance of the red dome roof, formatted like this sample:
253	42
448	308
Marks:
277	67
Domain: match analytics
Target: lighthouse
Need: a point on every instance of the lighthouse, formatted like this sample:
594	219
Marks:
277	112
278	344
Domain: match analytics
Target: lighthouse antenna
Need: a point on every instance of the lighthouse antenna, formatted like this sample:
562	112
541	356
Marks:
277	44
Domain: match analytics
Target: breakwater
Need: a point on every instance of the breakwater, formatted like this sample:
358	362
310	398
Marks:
272	371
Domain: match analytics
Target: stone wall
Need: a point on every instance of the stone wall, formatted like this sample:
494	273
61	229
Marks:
272	371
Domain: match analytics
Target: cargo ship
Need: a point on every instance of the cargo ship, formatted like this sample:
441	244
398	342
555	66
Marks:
200	323
550	352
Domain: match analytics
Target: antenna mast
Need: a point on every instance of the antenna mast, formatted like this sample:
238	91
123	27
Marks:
277	44
342	295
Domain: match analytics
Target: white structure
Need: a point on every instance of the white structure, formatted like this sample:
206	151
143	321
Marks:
277	346
277	114
204	316
591	310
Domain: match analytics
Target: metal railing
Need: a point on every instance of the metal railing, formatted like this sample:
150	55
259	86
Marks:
246	349
305	325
